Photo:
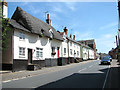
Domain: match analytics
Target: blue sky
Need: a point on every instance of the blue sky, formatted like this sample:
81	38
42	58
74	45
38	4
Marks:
87	20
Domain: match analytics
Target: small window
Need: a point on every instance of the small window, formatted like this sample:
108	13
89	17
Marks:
78	53
64	50
22	36
51	33
74	52
21	51
53	49
71	51
39	52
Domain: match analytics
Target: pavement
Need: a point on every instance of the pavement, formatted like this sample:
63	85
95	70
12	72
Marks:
113	80
9	76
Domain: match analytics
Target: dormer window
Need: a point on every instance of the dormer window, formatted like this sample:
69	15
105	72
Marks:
21	36
64	36
51	33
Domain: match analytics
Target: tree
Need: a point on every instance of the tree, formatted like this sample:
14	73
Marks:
4	31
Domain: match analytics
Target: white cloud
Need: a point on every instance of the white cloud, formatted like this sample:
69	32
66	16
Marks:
24	3
108	36
105	43
83	36
57	9
71	5
109	25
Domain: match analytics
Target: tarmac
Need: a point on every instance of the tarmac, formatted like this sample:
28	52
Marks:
113	79
8	76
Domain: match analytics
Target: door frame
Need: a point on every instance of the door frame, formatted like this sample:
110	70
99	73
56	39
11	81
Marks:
30	56
58	52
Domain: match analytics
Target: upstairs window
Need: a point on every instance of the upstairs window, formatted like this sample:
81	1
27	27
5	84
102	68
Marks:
21	51
64	50
21	36
71	51
78	53
53	49
39	52
51	33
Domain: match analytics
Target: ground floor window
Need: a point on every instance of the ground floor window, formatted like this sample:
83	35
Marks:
39	52
21	51
78	53
71	51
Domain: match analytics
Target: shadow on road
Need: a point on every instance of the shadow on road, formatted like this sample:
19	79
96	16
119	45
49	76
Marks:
79	80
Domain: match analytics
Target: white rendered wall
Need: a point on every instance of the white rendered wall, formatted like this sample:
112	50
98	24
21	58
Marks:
75	47
91	54
32	41
64	45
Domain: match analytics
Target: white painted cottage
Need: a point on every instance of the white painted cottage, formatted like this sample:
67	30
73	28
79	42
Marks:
31	42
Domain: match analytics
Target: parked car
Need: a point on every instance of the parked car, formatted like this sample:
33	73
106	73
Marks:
105	60
110	58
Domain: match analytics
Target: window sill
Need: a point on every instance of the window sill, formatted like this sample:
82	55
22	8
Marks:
22	40
21	56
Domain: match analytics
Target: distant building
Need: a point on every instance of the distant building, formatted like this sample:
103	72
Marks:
90	43
113	53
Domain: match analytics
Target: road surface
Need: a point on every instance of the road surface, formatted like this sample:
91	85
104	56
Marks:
88	75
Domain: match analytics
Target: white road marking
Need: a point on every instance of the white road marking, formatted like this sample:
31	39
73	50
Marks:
90	66
82	69
106	78
13	80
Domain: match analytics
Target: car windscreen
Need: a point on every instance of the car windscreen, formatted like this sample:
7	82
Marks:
105	58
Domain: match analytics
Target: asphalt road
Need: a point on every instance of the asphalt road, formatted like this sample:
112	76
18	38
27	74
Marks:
88	75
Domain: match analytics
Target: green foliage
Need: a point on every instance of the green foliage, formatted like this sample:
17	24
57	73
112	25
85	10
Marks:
4	29
5	32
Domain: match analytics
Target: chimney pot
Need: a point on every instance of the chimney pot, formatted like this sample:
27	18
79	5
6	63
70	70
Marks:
65	30
47	16
73	37
48	20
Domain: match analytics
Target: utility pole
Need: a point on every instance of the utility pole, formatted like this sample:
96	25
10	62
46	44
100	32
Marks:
119	32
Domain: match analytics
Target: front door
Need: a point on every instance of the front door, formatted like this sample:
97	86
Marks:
58	52
29	55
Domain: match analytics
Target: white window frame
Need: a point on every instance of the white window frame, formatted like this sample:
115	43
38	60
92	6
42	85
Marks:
78	53
21	36
22	52
52	49
64	50
51	33
70	51
39	53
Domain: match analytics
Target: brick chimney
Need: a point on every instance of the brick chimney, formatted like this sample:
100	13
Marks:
65	30
4	9
48	20
73	37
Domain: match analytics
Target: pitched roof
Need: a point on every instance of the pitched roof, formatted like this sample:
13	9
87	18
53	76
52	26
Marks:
24	21
88	41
